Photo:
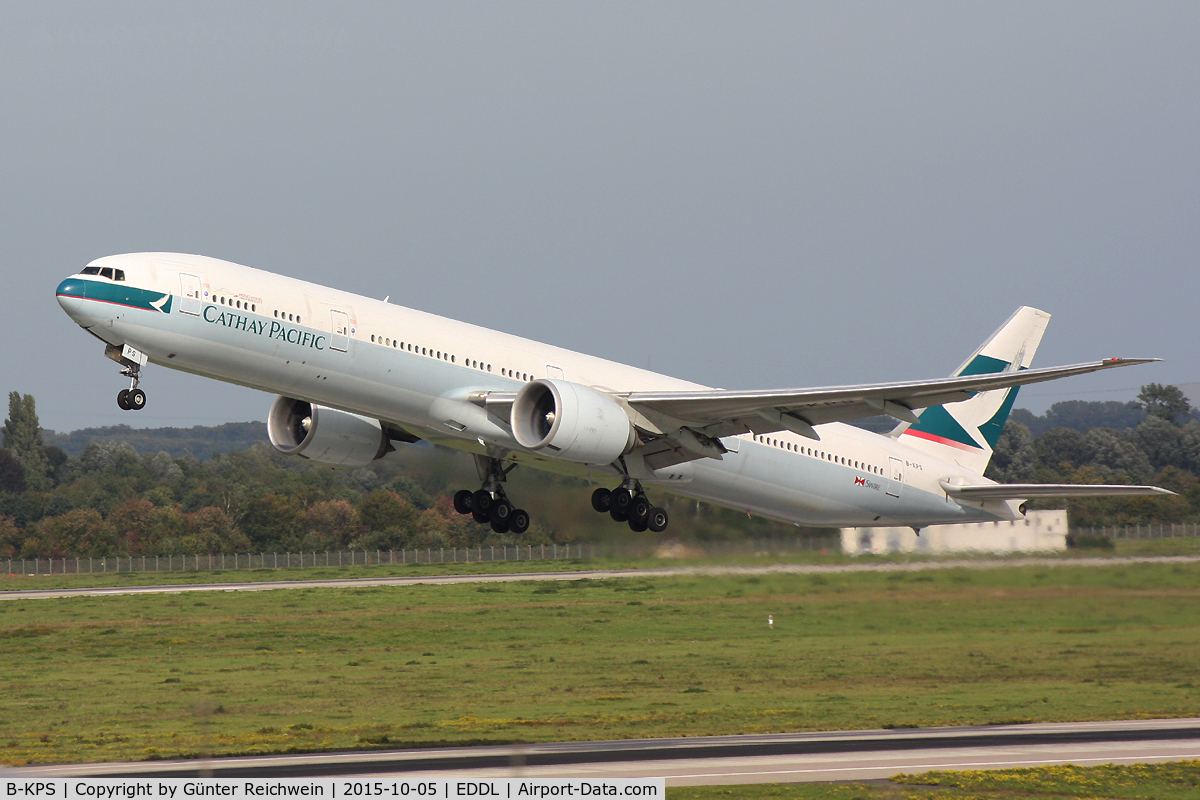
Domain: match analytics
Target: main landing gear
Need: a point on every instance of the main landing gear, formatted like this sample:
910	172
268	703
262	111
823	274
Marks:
630	504
133	398
490	505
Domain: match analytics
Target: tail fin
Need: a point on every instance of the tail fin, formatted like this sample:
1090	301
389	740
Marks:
967	432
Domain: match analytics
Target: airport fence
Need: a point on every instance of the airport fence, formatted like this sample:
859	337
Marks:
427	555
1154	530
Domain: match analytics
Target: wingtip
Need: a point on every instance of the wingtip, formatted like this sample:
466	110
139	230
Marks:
1117	361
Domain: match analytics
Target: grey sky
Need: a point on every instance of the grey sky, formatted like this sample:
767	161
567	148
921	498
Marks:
746	195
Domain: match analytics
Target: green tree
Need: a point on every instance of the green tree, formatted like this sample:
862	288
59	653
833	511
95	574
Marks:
1014	459
332	525
1059	446
1161	441
211	531
382	510
11	537
12	472
274	522
23	436
1164	400
82	532
1108	448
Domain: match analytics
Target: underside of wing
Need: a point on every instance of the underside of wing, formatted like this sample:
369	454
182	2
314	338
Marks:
1027	491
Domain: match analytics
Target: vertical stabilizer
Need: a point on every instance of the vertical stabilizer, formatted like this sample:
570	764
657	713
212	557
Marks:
967	432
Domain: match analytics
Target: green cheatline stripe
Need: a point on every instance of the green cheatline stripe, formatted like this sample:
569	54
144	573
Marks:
127	296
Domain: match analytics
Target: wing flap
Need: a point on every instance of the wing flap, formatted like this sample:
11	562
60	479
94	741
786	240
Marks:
1027	491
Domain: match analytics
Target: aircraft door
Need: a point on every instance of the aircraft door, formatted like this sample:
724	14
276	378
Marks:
896	482
554	372
190	293
340	338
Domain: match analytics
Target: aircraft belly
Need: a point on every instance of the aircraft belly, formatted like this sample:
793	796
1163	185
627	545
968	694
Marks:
805	491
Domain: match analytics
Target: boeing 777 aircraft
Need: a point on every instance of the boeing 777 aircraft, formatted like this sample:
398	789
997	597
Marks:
354	375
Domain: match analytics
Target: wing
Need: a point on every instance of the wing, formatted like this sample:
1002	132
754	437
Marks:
1026	491
685	425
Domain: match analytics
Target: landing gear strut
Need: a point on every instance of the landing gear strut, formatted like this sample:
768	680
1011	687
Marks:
628	503
133	398
490	505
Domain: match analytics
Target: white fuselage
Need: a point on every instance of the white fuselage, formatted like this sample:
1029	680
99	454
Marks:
418	371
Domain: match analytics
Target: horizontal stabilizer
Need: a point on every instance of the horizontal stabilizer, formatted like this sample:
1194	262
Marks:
1026	491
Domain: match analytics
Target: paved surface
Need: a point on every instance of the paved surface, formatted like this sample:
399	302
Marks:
799	569
775	758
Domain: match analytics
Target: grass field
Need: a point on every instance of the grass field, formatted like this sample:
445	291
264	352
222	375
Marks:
309	669
1174	781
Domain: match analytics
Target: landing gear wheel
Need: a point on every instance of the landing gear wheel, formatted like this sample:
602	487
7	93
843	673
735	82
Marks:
482	502
136	399
499	527
501	510
639	510
658	520
618	515
123	399
620	500
480	517
462	501
518	520
601	499
637	527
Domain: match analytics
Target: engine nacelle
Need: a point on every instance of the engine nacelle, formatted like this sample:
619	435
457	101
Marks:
572	422
325	435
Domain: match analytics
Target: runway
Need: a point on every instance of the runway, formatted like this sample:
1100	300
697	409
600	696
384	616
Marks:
595	574
772	758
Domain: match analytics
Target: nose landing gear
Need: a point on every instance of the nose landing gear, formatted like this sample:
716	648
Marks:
629	503
133	398
490	505
131	360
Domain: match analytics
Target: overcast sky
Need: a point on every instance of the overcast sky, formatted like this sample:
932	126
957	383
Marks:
747	195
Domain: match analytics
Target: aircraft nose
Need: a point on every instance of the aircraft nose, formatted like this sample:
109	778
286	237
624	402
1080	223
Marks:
70	294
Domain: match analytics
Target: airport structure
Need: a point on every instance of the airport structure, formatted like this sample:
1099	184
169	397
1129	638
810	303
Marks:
1039	531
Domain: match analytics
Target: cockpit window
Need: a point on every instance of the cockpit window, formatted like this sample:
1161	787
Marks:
106	273
90	271
118	274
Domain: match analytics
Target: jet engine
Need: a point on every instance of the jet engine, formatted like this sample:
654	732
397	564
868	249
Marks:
571	422
326	436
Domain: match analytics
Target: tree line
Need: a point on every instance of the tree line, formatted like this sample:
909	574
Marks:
109	499
1162	448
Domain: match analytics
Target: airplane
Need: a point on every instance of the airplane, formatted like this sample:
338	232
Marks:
355	375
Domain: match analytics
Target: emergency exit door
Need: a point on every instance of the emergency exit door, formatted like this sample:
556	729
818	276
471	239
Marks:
896	480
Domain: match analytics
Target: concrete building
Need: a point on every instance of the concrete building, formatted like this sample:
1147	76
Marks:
1039	531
